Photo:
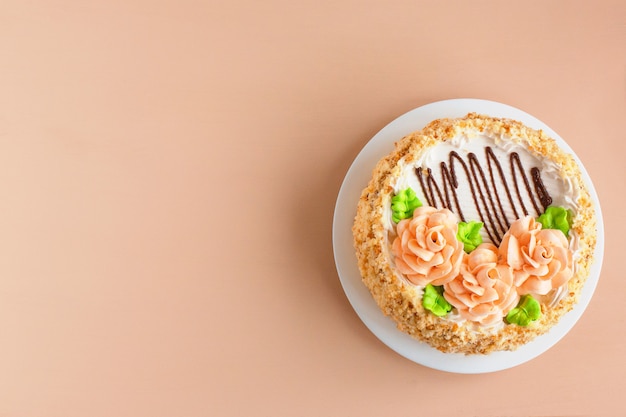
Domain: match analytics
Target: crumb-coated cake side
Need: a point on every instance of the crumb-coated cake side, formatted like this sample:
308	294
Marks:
475	234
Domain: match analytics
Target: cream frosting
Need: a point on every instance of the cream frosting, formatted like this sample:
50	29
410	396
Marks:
426	249
543	261
539	257
562	190
484	291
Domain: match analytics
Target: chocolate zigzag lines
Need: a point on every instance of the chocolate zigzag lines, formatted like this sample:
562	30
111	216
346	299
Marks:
487	196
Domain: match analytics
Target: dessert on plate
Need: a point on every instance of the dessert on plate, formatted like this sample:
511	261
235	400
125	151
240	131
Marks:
475	234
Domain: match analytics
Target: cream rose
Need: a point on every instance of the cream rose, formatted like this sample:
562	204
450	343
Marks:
540	258
426	249
483	292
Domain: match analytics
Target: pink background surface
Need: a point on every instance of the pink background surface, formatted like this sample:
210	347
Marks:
168	173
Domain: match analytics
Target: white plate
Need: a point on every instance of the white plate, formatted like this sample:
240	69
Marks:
359	296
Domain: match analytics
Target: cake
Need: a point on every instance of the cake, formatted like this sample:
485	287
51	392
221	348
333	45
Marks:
475	234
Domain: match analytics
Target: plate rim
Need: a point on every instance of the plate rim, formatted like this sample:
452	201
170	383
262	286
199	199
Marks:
360	298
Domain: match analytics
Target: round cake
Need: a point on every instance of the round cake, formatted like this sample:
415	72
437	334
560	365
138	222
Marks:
475	234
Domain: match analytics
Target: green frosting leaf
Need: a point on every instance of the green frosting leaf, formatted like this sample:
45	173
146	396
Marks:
403	204
556	218
469	234
433	300
526	311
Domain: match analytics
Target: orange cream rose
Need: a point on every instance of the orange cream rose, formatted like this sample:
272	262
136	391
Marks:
540	258
426	249
483	292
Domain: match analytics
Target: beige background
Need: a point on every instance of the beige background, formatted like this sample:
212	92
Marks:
168	173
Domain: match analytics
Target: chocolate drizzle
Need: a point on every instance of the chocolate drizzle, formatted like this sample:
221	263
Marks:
487	196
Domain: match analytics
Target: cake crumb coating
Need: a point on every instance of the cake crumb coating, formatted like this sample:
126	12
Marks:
398	299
